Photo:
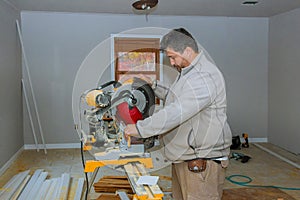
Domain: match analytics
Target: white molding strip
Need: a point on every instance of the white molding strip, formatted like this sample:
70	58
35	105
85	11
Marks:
54	146
278	156
258	140
10	161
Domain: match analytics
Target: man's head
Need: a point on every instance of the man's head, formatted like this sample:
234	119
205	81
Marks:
180	47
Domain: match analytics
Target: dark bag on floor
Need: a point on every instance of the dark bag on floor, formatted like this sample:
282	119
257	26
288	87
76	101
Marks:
236	143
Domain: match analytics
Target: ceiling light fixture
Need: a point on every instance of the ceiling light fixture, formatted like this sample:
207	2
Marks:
144	4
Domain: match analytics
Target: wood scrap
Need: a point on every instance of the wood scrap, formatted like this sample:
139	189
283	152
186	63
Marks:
51	191
23	186
154	189
79	189
112	197
133	176
110	184
37	186
12	186
20	189
30	184
64	186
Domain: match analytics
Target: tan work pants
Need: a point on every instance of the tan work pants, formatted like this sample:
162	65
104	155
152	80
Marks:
206	185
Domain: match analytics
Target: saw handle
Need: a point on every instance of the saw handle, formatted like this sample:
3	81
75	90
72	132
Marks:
128	141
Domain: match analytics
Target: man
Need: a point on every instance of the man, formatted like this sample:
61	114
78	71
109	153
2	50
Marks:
193	123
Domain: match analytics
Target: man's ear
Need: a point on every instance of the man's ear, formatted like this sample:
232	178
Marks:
187	53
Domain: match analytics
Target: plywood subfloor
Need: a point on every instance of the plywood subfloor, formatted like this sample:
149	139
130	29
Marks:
263	168
255	194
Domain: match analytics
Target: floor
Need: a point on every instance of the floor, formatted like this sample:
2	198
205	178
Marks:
263	168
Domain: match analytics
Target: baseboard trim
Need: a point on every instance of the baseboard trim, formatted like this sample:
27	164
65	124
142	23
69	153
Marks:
278	156
77	145
10	161
53	146
258	140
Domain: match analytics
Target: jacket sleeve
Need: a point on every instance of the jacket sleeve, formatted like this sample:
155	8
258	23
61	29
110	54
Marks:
196	93
161	90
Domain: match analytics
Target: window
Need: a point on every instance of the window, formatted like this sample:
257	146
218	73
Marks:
136	55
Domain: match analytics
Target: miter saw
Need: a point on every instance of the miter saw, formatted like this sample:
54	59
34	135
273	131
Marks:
104	114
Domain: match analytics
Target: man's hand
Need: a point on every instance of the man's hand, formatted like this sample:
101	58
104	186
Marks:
131	130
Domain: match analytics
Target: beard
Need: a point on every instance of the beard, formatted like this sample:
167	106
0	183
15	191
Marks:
177	67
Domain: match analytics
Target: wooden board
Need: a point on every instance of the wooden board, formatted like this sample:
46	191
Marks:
133	176
154	189
23	186
64	186
12	186
30	184
110	184
79	189
111	197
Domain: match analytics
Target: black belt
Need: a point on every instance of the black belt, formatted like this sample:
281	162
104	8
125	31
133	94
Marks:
212	159
217	161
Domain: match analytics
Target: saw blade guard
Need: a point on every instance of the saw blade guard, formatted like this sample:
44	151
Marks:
105	111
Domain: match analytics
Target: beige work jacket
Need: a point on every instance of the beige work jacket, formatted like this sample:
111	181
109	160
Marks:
193	122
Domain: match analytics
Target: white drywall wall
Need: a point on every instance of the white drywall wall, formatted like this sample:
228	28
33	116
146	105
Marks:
284	70
57	43
11	115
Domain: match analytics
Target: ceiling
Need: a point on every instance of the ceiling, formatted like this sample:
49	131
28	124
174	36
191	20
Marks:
231	8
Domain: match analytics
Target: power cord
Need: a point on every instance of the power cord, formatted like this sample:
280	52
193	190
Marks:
249	180
86	175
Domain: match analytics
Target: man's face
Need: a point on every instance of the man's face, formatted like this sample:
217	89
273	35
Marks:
177	59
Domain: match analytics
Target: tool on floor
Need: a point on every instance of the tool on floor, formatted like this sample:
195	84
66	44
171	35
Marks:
104	113
238	156
246	143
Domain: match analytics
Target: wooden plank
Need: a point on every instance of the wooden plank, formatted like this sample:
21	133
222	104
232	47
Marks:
30	184
51	192
109	184
111	197
7	186
37	185
133	176
13	186
64	186
115	177
21	187
79	189
146	188
57	188
104	184
43	190
123	195
155	190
